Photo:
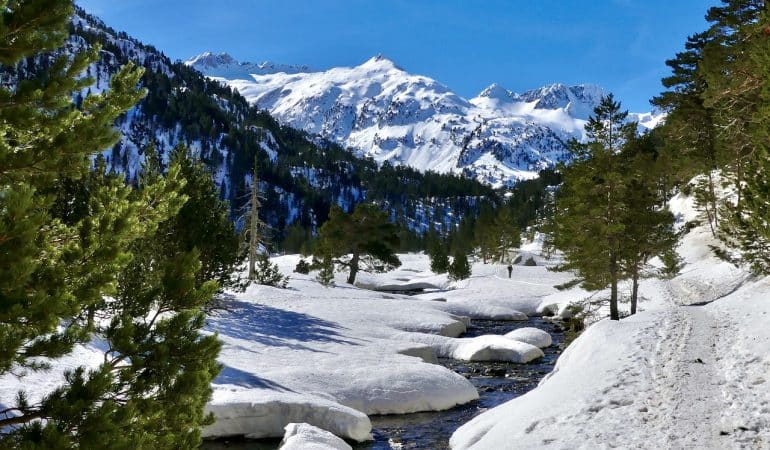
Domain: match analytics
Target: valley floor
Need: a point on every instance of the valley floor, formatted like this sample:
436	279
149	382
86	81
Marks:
689	371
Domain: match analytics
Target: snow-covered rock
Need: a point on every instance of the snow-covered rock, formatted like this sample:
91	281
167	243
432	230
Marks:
495	348
241	413
530	335
302	436
380	110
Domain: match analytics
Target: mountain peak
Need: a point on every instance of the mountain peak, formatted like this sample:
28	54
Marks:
495	91
381	61
210	59
578	100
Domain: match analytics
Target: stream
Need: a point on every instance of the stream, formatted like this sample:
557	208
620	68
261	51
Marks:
496	382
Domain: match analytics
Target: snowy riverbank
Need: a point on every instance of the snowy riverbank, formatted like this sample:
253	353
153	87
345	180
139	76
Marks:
690	371
329	356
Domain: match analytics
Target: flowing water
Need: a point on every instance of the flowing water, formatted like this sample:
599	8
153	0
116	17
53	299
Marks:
496	382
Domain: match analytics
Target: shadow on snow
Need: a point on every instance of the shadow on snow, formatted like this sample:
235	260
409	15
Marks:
231	375
274	327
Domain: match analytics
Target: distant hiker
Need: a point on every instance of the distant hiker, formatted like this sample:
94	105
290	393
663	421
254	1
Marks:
510	269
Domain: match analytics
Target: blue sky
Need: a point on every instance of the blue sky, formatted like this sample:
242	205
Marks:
467	45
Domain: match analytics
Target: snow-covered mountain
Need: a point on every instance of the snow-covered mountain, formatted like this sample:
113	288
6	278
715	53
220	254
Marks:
225	66
301	177
379	110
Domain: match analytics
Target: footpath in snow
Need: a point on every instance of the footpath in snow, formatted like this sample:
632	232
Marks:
689	372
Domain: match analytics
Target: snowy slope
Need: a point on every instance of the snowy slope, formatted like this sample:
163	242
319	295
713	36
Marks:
688	372
382	111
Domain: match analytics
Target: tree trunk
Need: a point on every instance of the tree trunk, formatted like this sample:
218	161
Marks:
711	213
253	223
614	315
634	292
353	268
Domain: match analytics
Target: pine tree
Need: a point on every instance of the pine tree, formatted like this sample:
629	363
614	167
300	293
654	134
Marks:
460	269
485	235
724	75
302	267
588	224
68	238
157	355
748	227
689	132
439	259
203	223
269	274
734	82
50	268
325	274
363	240
648	227
507	231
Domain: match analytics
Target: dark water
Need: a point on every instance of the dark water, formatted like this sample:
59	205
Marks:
496	382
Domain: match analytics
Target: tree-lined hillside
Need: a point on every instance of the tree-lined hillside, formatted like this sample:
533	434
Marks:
301	177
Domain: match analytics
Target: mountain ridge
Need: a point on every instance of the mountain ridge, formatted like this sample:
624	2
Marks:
378	109
301	176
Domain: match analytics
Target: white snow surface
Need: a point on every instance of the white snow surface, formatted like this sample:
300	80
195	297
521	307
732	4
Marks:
690	371
302	436
290	353
380	110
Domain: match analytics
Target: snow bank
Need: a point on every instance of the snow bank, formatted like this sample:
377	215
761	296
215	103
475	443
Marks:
560	304
495	348
244	414
566	400
530	335
302	436
329	356
424	352
396	287
480	348
480	310
399	387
